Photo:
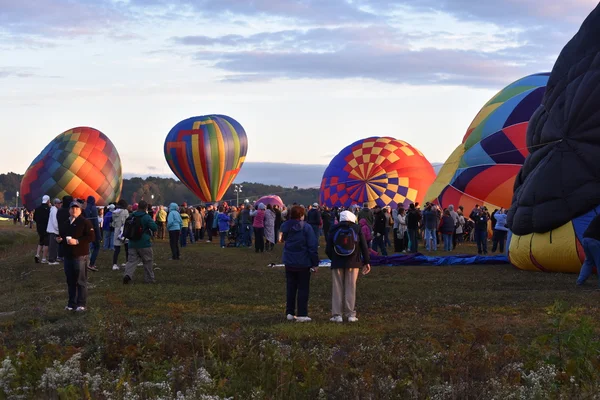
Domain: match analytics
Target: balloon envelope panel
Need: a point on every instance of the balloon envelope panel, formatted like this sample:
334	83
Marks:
80	162
483	168
273	200
206	153
376	170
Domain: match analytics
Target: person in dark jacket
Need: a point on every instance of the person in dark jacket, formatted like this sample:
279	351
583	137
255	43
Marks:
62	216
326	216
379	218
314	219
41	217
91	213
76	234
481	218
300	257
447	229
412	225
430	226
591	247
344	269
140	250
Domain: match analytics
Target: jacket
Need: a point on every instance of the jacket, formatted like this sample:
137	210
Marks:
91	213
223	221
501	222
259	219
174	221
301	246
429	219
80	229
197	217
148	225
118	220
107	222
62	214
446	224
53	221
412	219
357	259
161	216
366	230
185	219
367	214
379	223
314	217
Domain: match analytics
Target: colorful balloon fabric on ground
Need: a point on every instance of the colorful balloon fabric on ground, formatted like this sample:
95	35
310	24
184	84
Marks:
483	167
557	193
376	170
206	154
271	199
80	162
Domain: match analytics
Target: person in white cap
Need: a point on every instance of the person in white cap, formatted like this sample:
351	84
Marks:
349	252
41	217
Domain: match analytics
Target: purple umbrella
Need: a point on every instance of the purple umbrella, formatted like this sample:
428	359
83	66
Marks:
272	200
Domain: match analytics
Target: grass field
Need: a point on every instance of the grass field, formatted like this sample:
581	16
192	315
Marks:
213	327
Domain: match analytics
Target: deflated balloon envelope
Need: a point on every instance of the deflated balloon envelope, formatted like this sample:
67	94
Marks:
483	167
206	154
557	192
376	170
80	162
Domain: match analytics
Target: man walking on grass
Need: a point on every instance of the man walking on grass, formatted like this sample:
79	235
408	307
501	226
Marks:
41	217
52	231
140	248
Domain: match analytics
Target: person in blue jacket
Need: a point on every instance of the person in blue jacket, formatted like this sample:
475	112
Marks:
223	225
174	224
300	257
500	231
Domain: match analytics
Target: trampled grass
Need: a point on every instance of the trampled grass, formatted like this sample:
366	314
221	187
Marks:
214	325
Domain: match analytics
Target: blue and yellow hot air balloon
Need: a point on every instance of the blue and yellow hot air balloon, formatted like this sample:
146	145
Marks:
206	154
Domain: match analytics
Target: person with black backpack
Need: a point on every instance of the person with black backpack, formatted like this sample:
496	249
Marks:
138	229
348	250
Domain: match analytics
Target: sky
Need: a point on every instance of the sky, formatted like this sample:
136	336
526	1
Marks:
304	77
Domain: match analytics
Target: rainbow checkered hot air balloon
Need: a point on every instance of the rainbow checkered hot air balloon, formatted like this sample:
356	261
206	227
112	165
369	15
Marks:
483	168
376	170
80	162
206	154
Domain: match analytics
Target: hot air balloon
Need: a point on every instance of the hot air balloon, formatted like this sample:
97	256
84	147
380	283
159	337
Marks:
206	154
80	162
556	193
271	199
483	167
376	170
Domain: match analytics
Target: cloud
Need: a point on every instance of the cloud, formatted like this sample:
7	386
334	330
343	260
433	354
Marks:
22	72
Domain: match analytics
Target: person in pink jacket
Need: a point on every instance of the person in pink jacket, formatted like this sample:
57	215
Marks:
259	227
366	231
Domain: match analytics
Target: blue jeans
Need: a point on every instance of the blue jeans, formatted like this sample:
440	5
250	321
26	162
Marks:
430	236
591	247
94	249
447	241
412	239
76	273
223	235
108	238
481	239
244	235
379	241
386	239
191	235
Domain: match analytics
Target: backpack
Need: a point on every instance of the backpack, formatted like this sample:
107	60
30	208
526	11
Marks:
345	240
133	229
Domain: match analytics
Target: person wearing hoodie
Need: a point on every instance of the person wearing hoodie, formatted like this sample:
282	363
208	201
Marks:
259	227
367	214
119	216
174	224
446	227
500	231
345	266
107	229
430	223
379	230
223	224
41	216
91	213
62	216
140	249
52	231
366	231
300	257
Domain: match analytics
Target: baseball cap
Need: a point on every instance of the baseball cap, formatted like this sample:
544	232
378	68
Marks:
57	201
75	204
45	199
111	207
347	216
315	204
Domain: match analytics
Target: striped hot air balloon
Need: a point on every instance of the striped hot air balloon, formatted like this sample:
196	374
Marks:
206	154
80	162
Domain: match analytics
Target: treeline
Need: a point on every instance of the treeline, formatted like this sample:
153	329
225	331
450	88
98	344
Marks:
167	190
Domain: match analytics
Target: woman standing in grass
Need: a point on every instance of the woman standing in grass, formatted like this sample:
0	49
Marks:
300	255
259	227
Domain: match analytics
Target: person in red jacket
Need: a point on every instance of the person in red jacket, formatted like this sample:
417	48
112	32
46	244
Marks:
77	233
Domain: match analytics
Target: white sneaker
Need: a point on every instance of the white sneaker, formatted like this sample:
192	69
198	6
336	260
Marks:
140	264
115	267
67	308
53	263
80	309
352	319
124	264
303	319
337	318
44	261
291	317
